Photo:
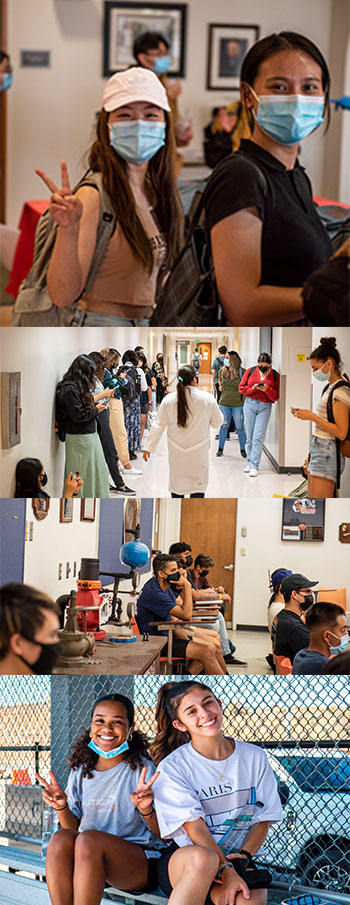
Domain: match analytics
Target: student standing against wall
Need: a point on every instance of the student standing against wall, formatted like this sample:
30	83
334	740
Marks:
261	387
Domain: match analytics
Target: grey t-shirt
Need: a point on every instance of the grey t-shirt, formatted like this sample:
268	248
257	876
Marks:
309	663
103	803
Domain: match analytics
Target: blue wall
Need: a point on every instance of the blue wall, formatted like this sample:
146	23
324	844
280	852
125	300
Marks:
12	530
111	533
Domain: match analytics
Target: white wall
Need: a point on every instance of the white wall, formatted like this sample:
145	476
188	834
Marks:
288	439
55	542
42	363
51	111
342	335
327	562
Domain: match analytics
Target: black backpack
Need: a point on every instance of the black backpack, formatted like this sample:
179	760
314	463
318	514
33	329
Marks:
343	446
131	389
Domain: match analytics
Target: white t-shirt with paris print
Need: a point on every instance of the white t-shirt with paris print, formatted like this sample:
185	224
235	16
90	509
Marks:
242	789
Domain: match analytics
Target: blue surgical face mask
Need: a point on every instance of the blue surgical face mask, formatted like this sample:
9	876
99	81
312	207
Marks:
7	80
161	65
108	754
289	119
227	362
322	375
137	141
344	641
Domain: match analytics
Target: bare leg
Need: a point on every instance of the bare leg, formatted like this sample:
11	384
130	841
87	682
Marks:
206	654
257	896
320	487
206	634
100	857
143	424
60	866
191	873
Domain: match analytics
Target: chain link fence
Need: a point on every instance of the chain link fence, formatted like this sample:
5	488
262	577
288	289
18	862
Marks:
303	724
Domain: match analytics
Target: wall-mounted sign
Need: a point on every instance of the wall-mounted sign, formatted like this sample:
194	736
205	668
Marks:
301	357
10	409
36	58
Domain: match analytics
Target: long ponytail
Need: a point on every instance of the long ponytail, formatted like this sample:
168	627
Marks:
168	738
184	379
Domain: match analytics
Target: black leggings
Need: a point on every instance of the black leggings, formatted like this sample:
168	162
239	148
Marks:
109	450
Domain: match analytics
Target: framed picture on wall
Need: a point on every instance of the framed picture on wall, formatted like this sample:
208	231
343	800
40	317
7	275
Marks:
87	510
40	508
66	510
303	520
227	47
123	22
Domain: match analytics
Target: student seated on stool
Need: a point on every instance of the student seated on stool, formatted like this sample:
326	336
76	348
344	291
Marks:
326	623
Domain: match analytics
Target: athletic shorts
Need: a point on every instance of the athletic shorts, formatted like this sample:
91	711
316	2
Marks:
323	459
163	871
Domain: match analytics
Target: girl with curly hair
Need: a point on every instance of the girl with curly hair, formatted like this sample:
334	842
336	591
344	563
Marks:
109	830
76	417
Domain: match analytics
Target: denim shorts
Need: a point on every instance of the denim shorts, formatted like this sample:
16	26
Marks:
94	319
323	459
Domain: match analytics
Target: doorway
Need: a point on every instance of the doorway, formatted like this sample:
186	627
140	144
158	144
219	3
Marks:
210	527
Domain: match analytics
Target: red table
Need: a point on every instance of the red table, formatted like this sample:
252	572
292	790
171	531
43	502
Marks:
23	258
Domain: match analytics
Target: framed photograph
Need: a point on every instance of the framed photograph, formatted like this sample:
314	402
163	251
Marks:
40	508
227	47
87	510
66	510
303	520
123	22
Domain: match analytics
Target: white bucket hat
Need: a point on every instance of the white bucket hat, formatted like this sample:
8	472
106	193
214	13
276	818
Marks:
131	85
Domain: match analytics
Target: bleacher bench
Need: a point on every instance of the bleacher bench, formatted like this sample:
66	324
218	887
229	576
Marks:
17	890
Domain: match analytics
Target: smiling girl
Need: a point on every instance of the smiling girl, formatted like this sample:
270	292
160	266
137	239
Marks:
109	827
207	779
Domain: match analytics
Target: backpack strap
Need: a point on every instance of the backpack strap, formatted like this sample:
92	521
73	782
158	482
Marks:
331	418
105	229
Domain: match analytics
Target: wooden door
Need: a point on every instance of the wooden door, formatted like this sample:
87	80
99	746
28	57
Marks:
210	527
205	350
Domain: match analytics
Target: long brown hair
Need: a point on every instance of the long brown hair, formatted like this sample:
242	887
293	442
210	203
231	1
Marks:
168	738
160	185
184	379
232	371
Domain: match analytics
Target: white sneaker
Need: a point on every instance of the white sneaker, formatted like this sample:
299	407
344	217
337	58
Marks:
253	472
246	468
134	471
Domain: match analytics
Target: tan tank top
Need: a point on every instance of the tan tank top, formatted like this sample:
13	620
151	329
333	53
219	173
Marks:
122	286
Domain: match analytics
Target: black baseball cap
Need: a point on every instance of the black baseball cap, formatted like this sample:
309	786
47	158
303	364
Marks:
296	582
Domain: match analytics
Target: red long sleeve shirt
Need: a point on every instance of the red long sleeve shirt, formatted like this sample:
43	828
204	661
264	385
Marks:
272	381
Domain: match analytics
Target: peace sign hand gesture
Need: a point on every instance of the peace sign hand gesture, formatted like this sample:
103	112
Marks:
53	794
64	207
142	798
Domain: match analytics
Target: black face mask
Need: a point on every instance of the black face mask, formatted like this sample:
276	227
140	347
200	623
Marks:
43	480
45	663
306	602
188	561
204	572
173	578
264	369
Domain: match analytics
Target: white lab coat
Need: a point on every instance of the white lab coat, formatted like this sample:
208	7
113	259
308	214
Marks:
188	447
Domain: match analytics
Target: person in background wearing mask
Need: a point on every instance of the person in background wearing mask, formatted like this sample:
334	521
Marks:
6	74
116	410
29	643
218	363
266	235
274	607
134	155
199	580
328	630
151	51
326	462
106	436
261	386
31	477
183	553
159	373
291	633
231	401
159	602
